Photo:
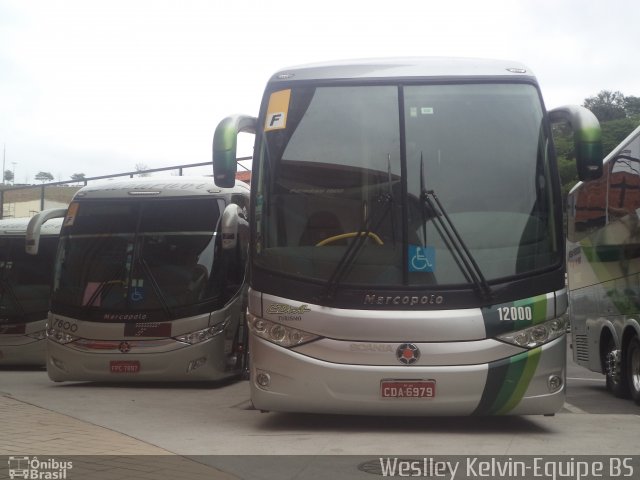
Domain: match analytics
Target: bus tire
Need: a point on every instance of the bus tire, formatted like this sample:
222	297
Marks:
633	369
616	383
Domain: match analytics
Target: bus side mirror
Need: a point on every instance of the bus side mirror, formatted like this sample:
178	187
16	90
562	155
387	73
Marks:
225	142
587	138
32	241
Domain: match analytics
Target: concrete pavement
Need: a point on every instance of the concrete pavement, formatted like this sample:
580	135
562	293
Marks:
121	432
34	436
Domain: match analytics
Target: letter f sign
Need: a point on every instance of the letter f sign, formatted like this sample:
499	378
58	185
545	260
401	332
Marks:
276	121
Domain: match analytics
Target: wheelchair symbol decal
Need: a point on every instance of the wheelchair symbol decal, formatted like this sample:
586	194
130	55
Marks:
421	259
137	292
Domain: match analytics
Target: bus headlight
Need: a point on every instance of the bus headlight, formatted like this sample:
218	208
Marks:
60	336
202	335
279	334
537	335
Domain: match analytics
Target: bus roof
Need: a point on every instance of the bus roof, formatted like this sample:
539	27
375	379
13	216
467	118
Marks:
155	187
409	67
15	227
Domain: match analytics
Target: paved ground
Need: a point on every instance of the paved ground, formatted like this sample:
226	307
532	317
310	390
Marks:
165	431
94	452
27	429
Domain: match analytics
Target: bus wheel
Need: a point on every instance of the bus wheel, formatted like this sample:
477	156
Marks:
633	369
614	371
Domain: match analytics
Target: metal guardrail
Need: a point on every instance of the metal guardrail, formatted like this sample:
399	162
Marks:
85	180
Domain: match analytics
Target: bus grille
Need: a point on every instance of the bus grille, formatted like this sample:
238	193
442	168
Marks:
582	348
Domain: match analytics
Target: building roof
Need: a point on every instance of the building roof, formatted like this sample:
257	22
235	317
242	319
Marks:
244	176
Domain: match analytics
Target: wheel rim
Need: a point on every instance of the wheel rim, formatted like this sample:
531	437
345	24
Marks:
613	370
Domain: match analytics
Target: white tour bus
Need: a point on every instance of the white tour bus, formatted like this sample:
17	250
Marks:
407	251
25	286
603	263
149	281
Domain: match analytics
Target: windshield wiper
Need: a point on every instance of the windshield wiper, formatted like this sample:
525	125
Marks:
363	233
156	288
105	286
350	254
452	239
390	200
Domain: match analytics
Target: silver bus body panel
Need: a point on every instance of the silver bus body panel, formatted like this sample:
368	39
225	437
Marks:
431	354
114	330
375	325
21	349
537	398
65	364
594	316
603	270
160	186
343	375
161	358
303	384
409	67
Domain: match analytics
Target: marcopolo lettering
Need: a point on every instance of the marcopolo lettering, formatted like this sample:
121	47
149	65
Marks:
407	300
125	316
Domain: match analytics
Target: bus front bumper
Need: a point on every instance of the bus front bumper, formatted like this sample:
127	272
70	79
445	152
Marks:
21	350
205	361
287	381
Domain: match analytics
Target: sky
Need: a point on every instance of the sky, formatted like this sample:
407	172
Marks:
102	87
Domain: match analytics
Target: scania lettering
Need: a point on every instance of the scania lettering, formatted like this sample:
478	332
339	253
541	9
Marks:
25	287
415	205
370	347
148	282
604	270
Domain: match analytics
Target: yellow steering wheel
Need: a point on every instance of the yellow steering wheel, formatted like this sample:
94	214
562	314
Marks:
342	236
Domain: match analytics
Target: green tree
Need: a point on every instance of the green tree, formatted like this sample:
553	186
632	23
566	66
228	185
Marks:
8	176
632	106
607	105
78	177
44	177
616	131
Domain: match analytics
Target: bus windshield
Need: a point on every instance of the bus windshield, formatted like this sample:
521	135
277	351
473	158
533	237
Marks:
355	163
134	256
25	280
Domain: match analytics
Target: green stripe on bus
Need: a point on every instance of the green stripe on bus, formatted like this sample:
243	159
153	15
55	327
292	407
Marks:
519	374
538	307
529	364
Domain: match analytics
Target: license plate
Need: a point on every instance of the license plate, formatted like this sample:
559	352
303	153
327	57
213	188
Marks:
124	366
407	388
